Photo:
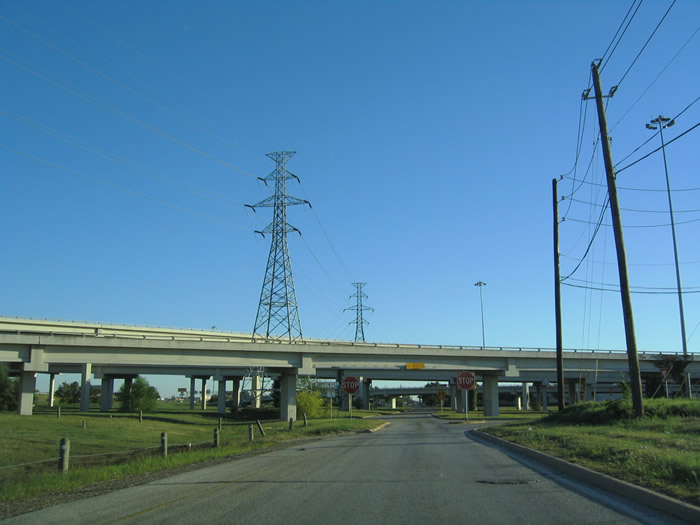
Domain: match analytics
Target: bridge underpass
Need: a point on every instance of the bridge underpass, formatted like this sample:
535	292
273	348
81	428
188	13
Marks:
108	352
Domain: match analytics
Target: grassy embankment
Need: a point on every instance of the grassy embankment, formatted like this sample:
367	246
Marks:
660	451
30	439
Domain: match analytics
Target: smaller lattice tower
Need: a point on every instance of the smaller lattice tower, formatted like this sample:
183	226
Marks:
359	308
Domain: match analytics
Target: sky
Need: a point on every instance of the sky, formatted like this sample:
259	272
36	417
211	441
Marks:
427	136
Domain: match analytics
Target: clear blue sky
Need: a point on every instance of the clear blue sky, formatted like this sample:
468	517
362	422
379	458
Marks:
427	136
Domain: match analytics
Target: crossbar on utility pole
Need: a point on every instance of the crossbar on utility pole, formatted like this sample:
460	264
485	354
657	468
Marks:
632	357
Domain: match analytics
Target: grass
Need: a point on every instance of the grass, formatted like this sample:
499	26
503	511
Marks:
504	413
36	438
660	451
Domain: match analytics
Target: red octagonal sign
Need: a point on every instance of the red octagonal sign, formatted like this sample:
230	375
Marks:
466	381
350	385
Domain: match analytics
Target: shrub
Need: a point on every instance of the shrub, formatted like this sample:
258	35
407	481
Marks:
141	396
309	403
8	389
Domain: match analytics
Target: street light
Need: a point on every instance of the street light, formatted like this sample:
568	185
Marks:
660	123
481	284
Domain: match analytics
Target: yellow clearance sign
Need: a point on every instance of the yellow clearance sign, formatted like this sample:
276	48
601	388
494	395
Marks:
415	366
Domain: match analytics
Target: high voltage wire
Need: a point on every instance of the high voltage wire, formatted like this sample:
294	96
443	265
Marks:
639	211
628	188
603	64
658	149
637	225
617	290
633	264
646	43
122	85
117	187
653	82
671	288
31	68
590	243
118	159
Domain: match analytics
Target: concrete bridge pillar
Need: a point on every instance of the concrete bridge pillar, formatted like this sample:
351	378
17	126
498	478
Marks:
453	396
107	393
393	401
256	390
491	395
236	395
460	402
221	401
572	391
204	393
538	395
364	393
518	401
526	396
192	387
288	397
27	385
52	389
85	374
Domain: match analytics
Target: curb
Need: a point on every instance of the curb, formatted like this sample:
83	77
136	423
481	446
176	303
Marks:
672	506
375	429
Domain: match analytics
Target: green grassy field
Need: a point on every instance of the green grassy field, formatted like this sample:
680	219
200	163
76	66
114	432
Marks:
661	451
114	445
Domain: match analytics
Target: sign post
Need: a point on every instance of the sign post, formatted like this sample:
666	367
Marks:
466	381
350	386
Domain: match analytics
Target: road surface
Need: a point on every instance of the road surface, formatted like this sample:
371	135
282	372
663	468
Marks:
417	470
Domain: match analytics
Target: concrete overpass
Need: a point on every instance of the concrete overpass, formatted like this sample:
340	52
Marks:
108	351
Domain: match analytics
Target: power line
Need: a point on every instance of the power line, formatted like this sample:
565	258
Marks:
646	43
121	85
617	290
652	83
628	188
44	75
117	187
657	149
633	264
673	288
636	225
590	243
603	64
635	210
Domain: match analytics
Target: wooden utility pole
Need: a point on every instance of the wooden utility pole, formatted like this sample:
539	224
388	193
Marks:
557	298
632	358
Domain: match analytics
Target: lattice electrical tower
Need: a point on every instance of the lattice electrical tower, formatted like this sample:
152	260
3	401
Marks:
359	321
278	315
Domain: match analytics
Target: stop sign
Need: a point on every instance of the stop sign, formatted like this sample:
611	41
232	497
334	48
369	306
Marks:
466	381
350	385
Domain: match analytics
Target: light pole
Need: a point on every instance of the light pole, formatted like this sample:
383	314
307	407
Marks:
481	284
660	123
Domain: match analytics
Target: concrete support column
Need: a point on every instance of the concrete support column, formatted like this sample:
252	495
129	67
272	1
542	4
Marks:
491	395
25	401
538	394
192	387
572	391
464	399
526	396
364	394
288	397
460	402
518	402
256	390
236	395
453	396
392	401
85	374
204	393
221	405
107	393
544	397
52	389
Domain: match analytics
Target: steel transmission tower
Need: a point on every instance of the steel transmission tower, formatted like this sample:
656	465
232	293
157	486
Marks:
359	321
278	315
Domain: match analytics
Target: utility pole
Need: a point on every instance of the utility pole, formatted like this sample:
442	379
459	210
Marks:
557	299
278	314
481	284
359	308
632	357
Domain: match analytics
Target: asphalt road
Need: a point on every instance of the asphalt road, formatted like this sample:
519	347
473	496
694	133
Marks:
416	470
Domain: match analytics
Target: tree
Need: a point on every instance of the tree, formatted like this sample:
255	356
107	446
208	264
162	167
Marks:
309	403
141	396
8	389
69	393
